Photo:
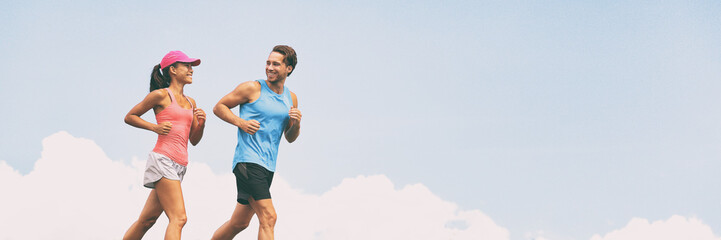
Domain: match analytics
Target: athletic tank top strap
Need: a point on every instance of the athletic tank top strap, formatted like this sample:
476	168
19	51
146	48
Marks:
265	88
172	97
172	100
192	107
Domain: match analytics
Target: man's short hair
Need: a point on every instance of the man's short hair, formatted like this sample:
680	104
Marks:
289	57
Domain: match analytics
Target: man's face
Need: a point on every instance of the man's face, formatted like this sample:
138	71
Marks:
275	69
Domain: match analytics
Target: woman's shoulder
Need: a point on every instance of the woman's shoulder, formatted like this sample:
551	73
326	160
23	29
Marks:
157	96
192	101
158	93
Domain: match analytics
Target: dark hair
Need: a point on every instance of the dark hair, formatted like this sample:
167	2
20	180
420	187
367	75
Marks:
290	59
160	79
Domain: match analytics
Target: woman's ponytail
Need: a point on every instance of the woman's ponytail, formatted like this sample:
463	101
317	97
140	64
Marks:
159	79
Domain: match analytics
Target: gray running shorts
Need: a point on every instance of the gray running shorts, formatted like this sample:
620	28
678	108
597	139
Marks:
159	166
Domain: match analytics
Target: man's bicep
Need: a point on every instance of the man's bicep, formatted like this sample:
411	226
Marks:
231	100
238	96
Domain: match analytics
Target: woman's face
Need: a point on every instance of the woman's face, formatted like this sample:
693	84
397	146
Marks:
182	72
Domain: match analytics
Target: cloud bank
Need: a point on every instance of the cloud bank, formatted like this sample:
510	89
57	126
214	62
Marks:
675	228
76	192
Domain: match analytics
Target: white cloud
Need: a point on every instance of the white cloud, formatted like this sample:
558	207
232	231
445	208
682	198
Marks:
675	228
76	192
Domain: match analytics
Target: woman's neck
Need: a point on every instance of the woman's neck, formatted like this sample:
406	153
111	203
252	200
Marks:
176	87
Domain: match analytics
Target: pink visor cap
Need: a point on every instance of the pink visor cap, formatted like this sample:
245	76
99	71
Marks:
177	56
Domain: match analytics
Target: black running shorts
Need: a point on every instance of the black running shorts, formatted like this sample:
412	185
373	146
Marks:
252	180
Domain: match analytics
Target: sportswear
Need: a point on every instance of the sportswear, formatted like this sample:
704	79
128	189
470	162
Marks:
271	111
160	166
175	144
252	180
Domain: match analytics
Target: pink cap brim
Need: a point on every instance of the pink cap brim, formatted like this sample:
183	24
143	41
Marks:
178	56
193	61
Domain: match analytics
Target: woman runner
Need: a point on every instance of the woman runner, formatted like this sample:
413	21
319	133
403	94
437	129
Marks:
178	120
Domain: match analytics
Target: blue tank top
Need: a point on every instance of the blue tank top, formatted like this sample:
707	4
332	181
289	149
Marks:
271	111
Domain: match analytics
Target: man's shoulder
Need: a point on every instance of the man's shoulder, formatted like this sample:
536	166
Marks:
249	86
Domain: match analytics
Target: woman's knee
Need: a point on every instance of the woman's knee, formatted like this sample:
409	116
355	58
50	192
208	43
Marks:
147	223
239	225
179	220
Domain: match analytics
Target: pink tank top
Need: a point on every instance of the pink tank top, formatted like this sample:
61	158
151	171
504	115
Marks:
175	144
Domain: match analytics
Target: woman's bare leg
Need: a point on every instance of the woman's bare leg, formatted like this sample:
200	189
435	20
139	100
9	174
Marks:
150	213
170	196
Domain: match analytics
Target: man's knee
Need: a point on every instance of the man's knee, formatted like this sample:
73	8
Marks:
268	220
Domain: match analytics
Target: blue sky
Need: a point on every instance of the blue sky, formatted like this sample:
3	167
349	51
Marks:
567	117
